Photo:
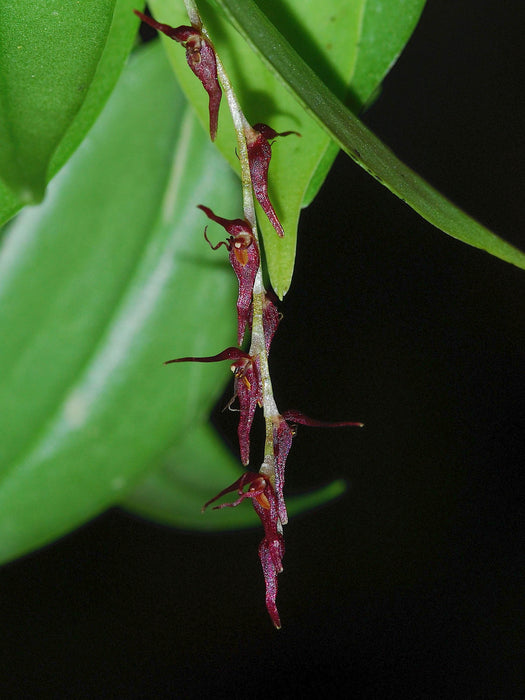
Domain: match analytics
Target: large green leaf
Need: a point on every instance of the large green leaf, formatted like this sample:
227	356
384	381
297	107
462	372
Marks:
59	62
100	284
345	41
353	136
192	472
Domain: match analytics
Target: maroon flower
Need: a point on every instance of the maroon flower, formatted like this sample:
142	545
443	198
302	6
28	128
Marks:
268	501
244	258
201	59
259	147
271	548
283	431
247	385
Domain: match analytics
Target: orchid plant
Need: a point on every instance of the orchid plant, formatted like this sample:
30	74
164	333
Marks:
68	451
252	386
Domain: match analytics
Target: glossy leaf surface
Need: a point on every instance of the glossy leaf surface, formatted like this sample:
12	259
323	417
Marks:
58	64
195	470
100	284
345	42
355	139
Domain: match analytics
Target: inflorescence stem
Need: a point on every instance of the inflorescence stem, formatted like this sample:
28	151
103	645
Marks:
255	306
257	347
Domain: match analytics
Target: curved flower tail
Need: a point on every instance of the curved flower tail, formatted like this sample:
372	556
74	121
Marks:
293	416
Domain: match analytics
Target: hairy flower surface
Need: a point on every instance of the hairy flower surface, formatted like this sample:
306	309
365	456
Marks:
282	443
271	548
244	259
271	318
200	56
258	139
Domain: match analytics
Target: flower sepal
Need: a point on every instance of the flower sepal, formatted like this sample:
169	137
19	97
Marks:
200	56
258	139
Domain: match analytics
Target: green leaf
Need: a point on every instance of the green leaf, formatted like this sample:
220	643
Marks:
193	472
355	139
336	36
385	28
99	285
58	64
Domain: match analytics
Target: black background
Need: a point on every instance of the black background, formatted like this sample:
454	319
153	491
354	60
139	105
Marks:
411	584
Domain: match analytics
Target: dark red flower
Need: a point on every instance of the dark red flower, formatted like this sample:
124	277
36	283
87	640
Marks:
244	258
247	385
271	548
249	392
268	501
201	59
283	432
259	148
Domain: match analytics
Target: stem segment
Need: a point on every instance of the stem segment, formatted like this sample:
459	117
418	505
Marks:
257	347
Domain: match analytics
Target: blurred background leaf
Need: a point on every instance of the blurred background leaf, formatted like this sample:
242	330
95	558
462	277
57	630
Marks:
58	65
344	42
99	285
